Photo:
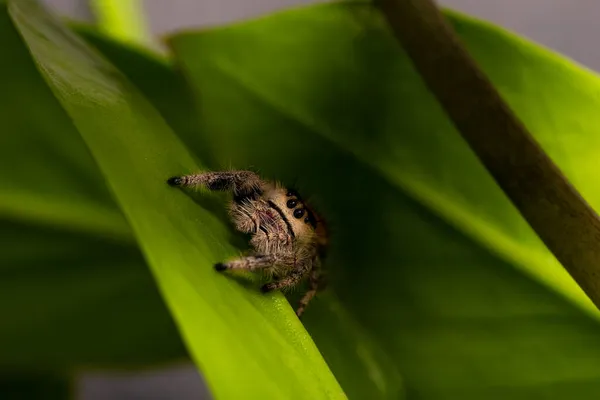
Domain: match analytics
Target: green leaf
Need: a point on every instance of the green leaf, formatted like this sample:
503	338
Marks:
171	97
60	292
156	78
68	259
433	271
229	332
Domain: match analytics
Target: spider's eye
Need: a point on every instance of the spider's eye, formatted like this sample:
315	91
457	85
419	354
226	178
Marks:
291	192
310	219
292	203
298	213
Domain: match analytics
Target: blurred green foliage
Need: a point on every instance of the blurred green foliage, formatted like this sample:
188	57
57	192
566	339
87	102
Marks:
437	287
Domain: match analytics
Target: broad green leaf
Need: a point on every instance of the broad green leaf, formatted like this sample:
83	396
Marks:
432	269
71	300
366	369
229	332
68	259
155	77
42	155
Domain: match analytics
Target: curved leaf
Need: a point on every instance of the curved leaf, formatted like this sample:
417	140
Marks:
229	332
432	265
365	367
67	255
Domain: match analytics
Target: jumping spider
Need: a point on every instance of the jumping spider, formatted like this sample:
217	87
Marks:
287	236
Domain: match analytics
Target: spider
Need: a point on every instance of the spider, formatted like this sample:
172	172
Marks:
288	238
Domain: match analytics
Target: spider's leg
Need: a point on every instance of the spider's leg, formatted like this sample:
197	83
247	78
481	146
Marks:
310	293
296	272
241	183
249	263
286	281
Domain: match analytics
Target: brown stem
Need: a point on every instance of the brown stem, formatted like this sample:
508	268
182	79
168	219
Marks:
551	205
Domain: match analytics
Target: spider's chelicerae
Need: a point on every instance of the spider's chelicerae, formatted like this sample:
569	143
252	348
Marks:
288	238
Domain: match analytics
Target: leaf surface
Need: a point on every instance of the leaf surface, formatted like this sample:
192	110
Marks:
68	259
229	332
431	267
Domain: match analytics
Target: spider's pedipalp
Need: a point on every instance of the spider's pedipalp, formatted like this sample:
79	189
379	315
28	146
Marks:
244	216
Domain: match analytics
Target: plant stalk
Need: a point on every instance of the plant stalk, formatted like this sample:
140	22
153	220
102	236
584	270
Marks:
564	221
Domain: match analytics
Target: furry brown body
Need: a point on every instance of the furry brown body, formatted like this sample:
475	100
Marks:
287	236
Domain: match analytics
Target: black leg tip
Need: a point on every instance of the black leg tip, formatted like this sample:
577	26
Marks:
175	181
266	288
220	267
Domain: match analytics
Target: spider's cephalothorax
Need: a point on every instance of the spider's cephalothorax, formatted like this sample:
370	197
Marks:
287	236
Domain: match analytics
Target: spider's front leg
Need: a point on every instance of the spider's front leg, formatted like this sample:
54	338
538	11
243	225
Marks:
249	263
241	183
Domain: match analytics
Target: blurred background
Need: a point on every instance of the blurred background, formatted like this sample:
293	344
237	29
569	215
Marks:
566	26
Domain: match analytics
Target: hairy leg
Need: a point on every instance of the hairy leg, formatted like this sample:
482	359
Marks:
249	263
296	272
286	281
241	183
312	291
255	262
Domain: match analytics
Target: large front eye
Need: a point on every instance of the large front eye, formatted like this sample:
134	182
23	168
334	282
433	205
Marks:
298	213
292	203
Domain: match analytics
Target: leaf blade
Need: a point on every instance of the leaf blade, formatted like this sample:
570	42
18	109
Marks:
428	256
67	257
137	152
